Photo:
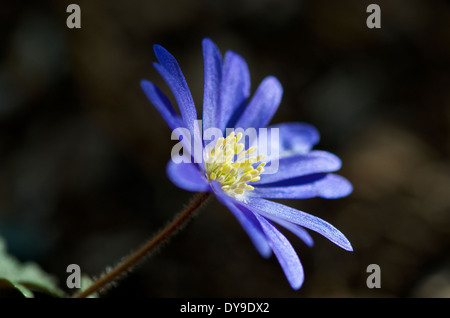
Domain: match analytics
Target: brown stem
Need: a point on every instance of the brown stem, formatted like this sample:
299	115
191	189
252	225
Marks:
179	221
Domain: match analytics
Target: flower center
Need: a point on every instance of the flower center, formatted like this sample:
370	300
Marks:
232	167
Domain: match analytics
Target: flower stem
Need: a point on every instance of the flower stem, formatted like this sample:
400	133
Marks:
179	221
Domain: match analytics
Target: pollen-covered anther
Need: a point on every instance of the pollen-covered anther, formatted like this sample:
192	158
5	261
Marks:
231	166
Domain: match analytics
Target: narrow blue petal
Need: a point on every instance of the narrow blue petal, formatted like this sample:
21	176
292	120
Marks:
328	186
248	221
187	176
294	138
316	161
172	74
262	106
285	140
213	76
269	208
234	89
285	253
300	232
162	104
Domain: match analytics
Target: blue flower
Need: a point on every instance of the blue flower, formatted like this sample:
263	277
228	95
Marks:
239	181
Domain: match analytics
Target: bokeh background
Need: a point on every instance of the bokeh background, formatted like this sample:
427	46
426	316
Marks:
83	152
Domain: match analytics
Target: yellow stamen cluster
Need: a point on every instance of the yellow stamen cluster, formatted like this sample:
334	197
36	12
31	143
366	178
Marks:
231	166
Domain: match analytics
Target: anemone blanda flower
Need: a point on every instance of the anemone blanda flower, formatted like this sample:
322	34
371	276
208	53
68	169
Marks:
239	181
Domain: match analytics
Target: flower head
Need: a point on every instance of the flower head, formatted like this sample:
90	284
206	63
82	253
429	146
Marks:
235	169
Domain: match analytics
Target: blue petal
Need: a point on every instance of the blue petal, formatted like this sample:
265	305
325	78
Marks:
172	74
248	221
268	209
162	104
187	176
213	77
234	89
316	161
328	186
285	139
295	138
285	253
262	106
300	232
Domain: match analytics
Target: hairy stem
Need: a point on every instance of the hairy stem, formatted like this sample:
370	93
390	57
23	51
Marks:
179	221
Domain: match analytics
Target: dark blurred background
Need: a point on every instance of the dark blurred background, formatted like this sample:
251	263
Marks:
83	152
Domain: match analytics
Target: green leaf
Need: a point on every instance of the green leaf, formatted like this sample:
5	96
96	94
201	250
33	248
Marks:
27	277
86	282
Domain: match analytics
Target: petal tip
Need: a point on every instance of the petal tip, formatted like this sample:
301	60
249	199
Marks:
158	48
275	83
339	188
207	41
297	285
145	84
348	247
